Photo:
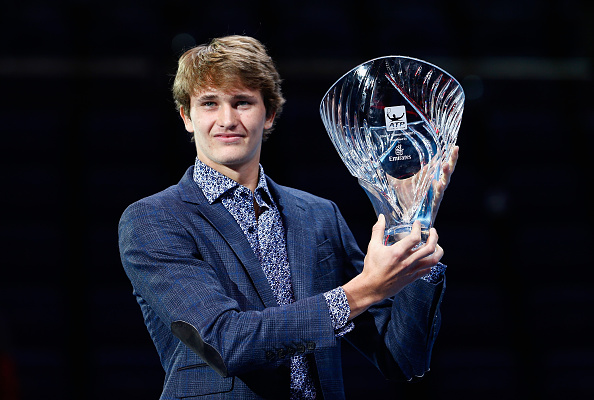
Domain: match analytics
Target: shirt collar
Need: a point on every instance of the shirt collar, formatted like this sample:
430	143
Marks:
214	184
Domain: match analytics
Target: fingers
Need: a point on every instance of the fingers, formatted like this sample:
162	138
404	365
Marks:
413	238
377	232
424	265
427	255
430	260
450	165
387	269
447	170
433	237
454	156
408	248
437	255
429	247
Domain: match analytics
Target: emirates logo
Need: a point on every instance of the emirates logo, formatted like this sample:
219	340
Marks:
399	154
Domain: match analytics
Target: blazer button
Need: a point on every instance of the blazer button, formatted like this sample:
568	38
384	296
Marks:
291	351
281	353
300	348
270	355
311	345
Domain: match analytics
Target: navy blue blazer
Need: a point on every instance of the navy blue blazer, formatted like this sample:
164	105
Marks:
213	317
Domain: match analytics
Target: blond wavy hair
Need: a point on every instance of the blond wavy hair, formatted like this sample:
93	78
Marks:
222	64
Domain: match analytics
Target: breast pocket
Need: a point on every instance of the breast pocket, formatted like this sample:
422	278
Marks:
200	380
327	261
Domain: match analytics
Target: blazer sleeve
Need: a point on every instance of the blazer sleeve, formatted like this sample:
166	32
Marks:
398	334
166	269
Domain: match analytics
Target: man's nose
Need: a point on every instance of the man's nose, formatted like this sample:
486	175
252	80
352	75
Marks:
227	116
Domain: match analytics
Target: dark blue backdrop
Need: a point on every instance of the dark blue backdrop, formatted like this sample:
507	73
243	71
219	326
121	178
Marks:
88	126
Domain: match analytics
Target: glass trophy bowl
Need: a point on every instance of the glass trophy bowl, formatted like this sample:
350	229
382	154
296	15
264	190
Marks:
394	120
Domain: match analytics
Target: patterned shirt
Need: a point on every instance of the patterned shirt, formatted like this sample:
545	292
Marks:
266	236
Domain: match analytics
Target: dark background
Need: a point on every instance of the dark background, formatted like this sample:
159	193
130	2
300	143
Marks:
88	126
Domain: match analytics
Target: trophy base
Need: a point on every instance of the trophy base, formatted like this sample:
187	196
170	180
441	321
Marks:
393	235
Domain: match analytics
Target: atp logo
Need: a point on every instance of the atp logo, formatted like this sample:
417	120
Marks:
395	118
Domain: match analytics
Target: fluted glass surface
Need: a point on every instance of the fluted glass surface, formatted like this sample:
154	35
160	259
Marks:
394	120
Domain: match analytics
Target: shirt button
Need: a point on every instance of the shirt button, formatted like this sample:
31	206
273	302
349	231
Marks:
251	230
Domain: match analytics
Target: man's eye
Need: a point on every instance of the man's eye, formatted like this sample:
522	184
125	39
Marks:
209	104
243	103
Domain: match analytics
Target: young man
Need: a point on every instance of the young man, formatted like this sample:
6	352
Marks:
247	287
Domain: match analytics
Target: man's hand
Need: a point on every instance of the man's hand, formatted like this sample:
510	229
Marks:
388	269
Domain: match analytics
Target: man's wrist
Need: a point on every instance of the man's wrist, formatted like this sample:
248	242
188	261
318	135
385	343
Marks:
360	297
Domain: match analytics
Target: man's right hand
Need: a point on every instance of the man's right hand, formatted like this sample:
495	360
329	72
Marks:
388	269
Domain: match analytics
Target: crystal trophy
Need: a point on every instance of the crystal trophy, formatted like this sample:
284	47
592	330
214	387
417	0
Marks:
394	121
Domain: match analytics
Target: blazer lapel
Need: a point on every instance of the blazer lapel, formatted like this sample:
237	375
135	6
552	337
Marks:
301	244
218	216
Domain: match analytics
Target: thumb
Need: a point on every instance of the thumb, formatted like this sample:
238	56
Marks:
377	232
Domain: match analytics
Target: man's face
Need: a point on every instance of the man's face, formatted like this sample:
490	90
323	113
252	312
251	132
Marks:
228	127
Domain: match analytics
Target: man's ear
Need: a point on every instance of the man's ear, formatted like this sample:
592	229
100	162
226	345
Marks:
187	120
269	120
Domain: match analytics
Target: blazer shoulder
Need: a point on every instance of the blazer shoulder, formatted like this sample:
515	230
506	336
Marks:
171	199
163	199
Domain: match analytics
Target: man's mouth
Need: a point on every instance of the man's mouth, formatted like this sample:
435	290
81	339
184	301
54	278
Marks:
229	137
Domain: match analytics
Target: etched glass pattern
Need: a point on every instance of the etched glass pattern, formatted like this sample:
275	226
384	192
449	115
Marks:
393	121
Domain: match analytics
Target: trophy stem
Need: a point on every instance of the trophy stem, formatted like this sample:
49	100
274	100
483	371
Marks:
394	234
